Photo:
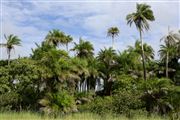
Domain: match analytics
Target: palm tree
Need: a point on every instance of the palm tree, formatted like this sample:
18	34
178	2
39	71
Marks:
166	53
93	73
67	40
84	49
148	50
55	37
140	18
113	32
108	62
134	54
168	50
157	90
11	42
171	37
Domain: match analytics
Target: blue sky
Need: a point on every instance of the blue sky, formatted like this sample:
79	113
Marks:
31	20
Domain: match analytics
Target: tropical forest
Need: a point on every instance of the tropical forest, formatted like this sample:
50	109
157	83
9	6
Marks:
60	82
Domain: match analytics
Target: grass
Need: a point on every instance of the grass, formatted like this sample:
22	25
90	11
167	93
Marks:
76	116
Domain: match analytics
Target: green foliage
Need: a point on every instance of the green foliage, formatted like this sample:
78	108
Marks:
48	80
141	17
20	80
126	101
83	49
158	96
59	102
124	82
99	105
9	101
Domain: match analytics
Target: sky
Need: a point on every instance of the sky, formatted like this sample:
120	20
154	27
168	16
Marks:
31	20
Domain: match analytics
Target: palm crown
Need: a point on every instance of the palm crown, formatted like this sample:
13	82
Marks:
112	32
84	48
141	17
11	41
55	37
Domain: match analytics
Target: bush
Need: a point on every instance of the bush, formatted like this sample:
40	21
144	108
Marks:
55	103
124	82
100	105
8	101
84	97
161	96
124	102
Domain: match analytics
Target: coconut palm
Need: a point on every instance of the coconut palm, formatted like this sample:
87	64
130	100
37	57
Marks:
11	42
113	32
140	18
83	49
55	37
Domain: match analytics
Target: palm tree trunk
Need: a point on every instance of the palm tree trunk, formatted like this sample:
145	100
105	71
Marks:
67	47
167	60
9	55
113	41
143	57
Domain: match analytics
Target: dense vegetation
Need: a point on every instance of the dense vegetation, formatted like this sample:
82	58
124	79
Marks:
52	82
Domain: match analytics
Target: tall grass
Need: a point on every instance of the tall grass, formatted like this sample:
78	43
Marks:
76	116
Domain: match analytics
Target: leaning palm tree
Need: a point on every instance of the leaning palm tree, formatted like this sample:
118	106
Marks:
11	41
113	32
140	18
166	53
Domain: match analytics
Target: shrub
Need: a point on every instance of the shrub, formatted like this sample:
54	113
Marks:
60	102
100	105
124	82
8	101
161	96
124	102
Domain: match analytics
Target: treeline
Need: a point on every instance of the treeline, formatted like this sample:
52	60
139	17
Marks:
48	80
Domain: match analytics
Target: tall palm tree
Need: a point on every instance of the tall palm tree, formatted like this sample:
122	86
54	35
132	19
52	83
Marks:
140	18
84	49
113	32
11	42
55	37
166	53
